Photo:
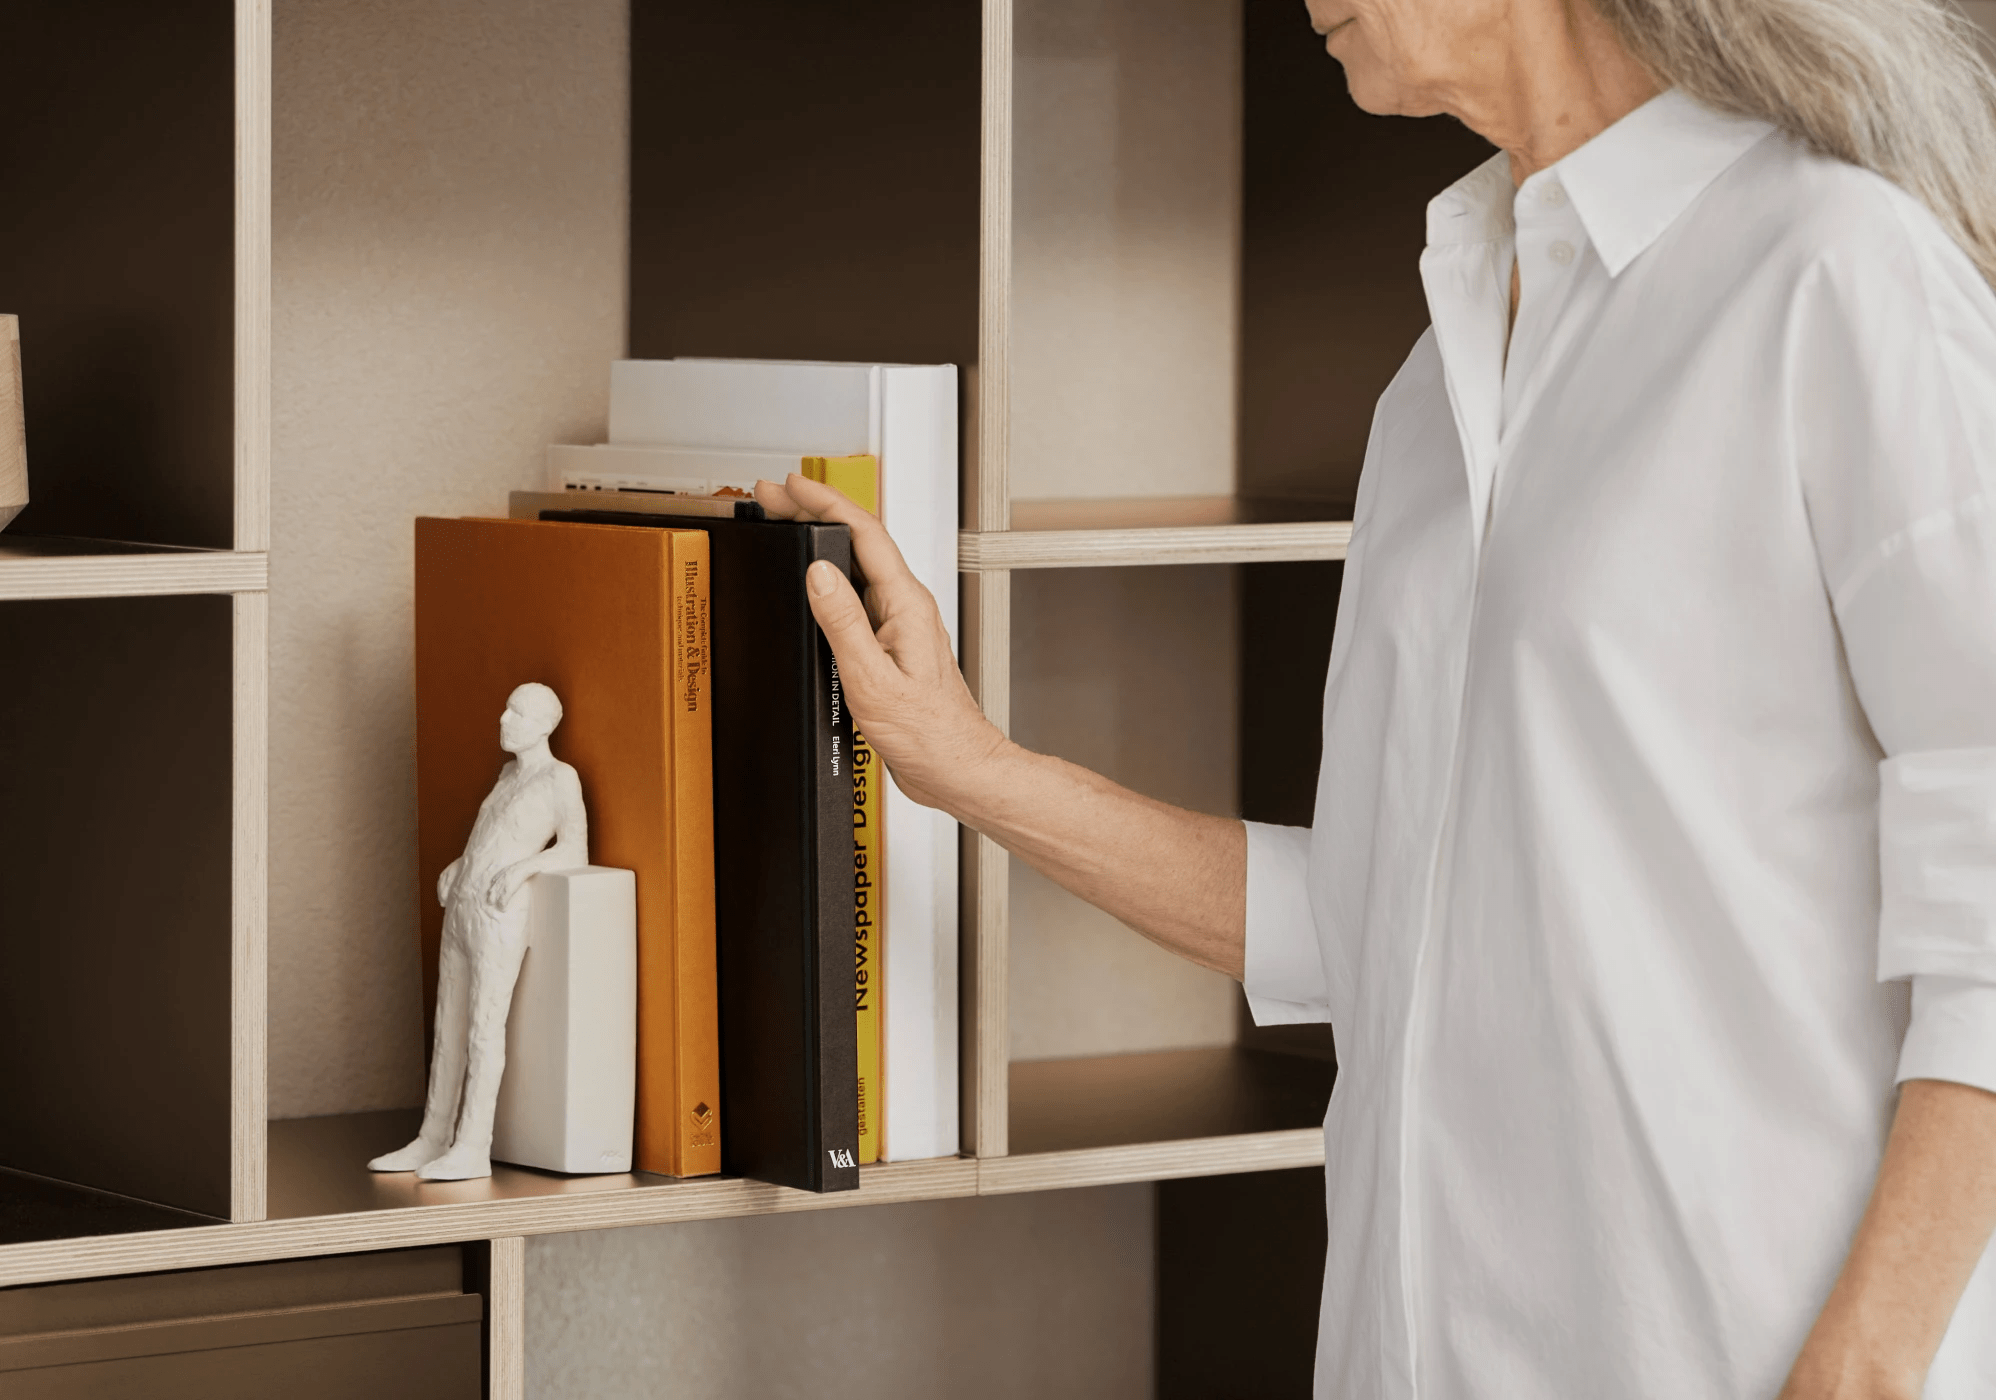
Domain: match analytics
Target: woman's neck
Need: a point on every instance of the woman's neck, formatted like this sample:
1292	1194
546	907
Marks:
1561	79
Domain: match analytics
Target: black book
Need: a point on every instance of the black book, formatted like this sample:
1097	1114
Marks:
782	853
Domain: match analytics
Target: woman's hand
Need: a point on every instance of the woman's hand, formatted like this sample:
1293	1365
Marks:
1177	877
901	680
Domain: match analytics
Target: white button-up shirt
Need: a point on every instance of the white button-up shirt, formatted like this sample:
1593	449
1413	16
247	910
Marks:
1659	759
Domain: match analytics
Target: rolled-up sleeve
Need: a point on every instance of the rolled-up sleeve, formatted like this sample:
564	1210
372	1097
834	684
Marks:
1937	916
1898	430
1285	964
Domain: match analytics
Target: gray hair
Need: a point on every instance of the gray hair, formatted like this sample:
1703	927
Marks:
1899	87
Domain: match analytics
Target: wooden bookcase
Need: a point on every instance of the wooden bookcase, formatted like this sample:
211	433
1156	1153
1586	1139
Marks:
890	215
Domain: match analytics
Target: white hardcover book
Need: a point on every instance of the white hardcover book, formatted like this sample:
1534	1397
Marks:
568	1096
906	416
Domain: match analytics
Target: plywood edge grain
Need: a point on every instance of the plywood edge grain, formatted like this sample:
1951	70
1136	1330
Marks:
986	886
1152	1161
993	550
249	955
987	486
311	1236
133	575
252	284
506	1319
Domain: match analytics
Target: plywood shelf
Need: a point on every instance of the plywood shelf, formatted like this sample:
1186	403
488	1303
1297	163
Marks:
323	1200
1117	1101
1152	1161
1153	1117
45	566
35	1210
1163	530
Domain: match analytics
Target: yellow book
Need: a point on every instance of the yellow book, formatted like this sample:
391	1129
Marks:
855	478
869	926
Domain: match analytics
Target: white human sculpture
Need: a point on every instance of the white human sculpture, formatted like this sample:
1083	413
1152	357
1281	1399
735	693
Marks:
537	801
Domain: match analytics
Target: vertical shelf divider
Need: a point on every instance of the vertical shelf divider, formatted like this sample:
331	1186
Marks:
249	1095
249	996
506	1319
987	604
253	232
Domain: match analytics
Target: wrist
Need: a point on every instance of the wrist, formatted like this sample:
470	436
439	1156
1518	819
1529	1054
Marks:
1852	1353
978	773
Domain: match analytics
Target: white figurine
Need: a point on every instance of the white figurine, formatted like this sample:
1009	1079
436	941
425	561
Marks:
537	800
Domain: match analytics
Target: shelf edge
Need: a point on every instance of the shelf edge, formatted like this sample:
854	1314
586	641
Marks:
134	575
994	550
1151	1161
206	1246
947	1178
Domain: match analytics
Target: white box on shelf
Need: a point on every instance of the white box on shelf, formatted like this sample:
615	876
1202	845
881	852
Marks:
567	1099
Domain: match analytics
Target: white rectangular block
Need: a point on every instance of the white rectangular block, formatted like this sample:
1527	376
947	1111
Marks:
694	470
567	1100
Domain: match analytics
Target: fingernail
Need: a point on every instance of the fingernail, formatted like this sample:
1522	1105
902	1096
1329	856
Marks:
818	578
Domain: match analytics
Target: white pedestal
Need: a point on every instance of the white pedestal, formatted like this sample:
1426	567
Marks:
569	1093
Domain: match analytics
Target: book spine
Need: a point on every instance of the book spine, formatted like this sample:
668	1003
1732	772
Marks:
837	1068
918	504
696	1130
869	934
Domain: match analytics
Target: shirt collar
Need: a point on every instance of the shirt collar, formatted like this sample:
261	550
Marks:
1627	185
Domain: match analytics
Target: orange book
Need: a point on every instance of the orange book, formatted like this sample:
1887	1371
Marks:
616	621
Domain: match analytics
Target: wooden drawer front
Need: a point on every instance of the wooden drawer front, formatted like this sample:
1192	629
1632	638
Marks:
417	1363
369	1326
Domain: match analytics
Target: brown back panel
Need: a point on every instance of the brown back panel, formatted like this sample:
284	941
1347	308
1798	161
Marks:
117	159
804	179
115	772
1333	223
1240	1267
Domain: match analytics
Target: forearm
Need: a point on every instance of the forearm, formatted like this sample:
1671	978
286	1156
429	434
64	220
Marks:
1177	877
1930	1218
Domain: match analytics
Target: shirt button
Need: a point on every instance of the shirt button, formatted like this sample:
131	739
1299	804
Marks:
1561	252
1554	194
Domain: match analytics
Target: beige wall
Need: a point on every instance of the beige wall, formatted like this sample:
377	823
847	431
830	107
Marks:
1133	673
1127	238
1045	1296
448	294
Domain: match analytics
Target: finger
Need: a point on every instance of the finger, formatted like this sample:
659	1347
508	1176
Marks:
873	550
771	496
847	628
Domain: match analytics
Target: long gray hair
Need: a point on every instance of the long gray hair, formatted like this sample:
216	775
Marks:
1899	87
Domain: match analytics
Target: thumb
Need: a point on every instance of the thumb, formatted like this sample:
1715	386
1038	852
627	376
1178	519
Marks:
844	620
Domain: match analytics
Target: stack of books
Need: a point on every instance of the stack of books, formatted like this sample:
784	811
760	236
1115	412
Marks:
797	920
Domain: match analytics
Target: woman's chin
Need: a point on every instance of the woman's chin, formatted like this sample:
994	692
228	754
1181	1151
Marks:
1372	92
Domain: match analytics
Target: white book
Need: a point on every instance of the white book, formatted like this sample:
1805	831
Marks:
569	1091
906	416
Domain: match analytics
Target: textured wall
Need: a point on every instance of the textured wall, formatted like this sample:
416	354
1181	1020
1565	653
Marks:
1127	228
448	294
1133	673
1045	1296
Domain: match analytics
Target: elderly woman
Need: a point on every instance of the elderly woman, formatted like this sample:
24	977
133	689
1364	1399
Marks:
1652	887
